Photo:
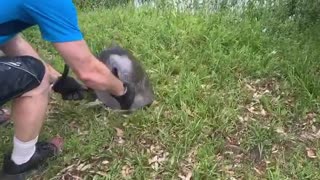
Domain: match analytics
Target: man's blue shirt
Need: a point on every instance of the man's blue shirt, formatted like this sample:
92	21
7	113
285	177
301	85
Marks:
57	19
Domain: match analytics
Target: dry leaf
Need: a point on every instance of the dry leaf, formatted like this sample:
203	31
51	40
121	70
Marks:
314	129
105	162
102	173
253	110
152	160
257	171
243	119
274	149
119	132
127	171
311	153
309	136
86	167
83	133
281	131
250	88
187	177
120	135
80	166
120	140
263	112
310	115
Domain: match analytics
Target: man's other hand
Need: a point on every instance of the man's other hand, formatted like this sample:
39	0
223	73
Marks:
69	88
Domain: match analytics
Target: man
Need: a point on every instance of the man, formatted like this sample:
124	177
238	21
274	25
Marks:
27	81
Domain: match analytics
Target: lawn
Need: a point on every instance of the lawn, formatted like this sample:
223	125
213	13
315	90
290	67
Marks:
236	98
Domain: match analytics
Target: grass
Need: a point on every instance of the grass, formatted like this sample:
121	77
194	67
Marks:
236	97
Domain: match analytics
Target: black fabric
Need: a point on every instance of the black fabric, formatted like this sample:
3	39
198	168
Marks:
69	88
127	99
44	151
19	75
13	27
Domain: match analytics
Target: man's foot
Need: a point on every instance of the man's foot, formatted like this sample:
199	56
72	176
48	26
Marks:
4	116
126	100
44	151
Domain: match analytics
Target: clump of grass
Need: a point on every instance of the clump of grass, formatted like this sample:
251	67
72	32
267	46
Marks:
233	100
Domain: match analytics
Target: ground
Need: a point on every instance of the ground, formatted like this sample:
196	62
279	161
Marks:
236	98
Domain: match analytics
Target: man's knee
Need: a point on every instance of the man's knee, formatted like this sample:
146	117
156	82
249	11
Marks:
43	88
22	76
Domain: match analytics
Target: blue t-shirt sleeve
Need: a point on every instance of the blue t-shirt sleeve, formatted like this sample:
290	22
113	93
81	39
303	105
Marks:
57	20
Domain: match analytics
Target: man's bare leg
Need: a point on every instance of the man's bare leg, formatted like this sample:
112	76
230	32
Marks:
19	47
28	114
28	111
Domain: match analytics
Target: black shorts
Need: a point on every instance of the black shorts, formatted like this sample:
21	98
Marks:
19	75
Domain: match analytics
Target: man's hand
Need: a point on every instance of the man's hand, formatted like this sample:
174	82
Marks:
69	88
127	98
90	70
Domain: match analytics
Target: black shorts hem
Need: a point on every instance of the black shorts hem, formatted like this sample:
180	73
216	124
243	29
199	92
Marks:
19	75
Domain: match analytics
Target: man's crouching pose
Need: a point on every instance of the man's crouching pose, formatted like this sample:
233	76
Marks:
26	80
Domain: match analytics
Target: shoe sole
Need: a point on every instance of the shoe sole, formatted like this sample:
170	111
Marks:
57	142
22	176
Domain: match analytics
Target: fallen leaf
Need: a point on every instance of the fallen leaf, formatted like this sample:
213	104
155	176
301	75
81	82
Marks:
263	112
120	135
164	157
81	166
314	128
120	141
185	177
155	166
127	171
309	136
257	171
102	173
250	88
189	175
310	115
152	160
274	149
84	133
119	132
311	153
243	119
281	131
105	162
86	167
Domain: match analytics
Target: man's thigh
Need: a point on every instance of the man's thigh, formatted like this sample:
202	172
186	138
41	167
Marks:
18	76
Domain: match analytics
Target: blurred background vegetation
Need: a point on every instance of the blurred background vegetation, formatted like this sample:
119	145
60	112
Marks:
304	12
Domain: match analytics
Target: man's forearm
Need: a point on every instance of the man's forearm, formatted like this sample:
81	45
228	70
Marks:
88	68
19	47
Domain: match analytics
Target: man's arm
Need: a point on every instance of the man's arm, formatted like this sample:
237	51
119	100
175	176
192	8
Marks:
58	24
92	72
20	47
